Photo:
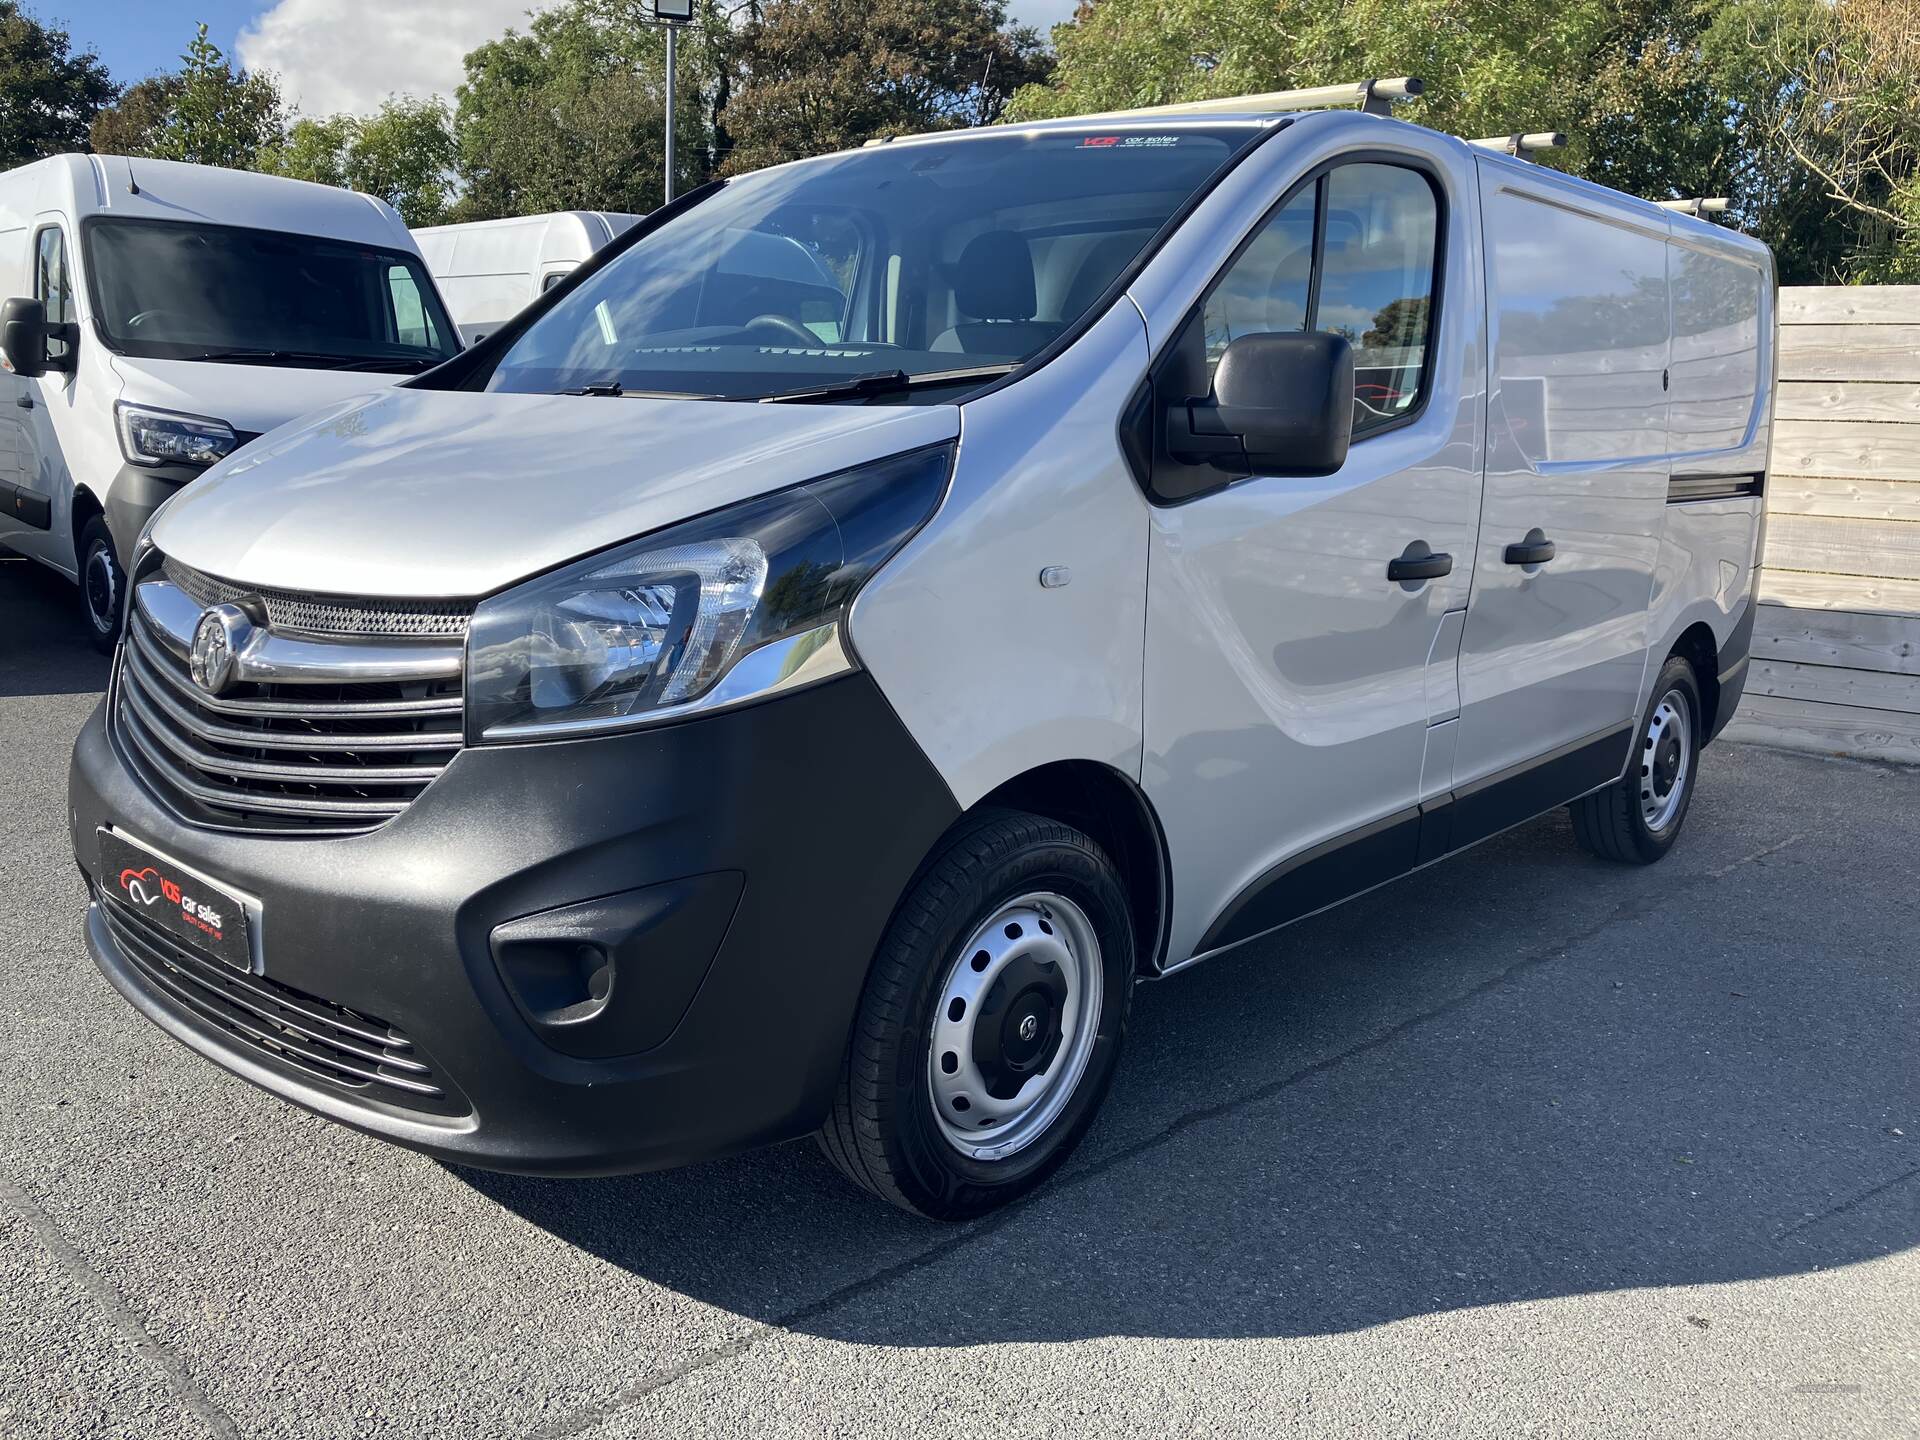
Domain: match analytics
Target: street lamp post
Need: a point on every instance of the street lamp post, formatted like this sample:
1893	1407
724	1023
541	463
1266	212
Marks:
672	14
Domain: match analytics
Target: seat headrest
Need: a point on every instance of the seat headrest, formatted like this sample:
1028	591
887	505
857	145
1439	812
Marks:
993	279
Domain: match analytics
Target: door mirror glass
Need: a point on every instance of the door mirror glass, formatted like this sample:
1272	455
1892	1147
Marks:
1289	399
23	335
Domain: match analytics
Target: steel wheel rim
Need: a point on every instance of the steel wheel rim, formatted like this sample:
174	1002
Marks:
1666	761
1052	931
101	589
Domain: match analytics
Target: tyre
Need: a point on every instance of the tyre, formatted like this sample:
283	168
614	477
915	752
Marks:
103	585
991	1022
1637	819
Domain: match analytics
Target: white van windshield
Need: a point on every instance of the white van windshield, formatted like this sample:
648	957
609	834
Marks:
171	290
894	263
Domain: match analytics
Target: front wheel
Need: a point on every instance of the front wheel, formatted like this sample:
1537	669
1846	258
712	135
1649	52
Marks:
1637	819
103	585
991	1022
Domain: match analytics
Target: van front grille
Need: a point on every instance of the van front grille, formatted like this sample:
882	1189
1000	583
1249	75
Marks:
317	758
288	1029
348	616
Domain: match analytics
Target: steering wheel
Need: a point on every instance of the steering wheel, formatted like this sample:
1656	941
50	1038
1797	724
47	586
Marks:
788	327
145	315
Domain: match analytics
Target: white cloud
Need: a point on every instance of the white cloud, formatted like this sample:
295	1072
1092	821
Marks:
336	55
1043	15
352	54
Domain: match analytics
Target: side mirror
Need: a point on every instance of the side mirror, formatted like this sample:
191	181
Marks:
1285	401
23	335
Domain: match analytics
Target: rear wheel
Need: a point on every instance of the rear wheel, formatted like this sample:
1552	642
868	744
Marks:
991	1023
1637	819
103	585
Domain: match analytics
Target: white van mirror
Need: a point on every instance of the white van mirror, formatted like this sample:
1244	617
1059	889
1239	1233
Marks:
1288	397
24	333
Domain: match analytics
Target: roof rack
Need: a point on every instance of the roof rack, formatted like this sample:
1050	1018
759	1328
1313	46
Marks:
1375	97
1715	206
1522	145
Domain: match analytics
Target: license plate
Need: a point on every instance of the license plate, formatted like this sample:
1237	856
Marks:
187	906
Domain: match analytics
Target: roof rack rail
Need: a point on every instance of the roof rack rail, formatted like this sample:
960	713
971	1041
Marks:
1715	205
1375	97
1522	145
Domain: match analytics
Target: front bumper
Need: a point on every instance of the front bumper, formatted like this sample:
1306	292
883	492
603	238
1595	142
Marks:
795	824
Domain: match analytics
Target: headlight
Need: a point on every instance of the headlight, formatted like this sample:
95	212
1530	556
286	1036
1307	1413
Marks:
712	612
162	437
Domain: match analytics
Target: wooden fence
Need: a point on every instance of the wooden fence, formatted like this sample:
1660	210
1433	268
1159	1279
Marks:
1836	648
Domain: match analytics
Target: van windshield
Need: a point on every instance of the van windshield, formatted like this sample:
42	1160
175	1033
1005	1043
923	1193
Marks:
886	265
174	290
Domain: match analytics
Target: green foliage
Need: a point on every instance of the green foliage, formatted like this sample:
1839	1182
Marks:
220	116
569	114
48	95
403	153
821	75
1659	97
132	124
1848	123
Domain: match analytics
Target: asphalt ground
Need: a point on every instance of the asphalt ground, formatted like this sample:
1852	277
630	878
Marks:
1527	1144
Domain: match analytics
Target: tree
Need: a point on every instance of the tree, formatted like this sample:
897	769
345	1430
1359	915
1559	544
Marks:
312	149
132	125
1849	116
221	116
571	113
404	153
48	95
1659	97
821	75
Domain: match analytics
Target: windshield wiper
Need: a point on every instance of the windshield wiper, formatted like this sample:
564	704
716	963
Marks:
888	382
318	358
614	390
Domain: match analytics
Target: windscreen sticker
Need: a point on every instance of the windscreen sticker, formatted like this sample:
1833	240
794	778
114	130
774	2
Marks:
1128	142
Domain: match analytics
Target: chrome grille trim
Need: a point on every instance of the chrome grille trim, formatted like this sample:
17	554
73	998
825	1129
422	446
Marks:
147	650
339	750
353	616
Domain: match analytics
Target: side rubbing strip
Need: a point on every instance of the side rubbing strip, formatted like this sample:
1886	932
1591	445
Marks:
1684	488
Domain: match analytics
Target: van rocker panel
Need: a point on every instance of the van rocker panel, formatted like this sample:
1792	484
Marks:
815	808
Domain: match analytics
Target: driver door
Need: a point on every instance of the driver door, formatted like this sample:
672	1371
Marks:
1300	703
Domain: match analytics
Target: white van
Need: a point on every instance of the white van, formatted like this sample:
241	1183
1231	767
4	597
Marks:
664	730
162	315
488	270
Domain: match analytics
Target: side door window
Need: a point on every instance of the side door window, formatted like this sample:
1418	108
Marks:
1376	285
411	322
1353	251
52	285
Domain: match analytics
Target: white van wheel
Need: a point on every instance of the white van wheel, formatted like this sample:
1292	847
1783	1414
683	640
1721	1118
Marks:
991	1022
1015	1026
1637	819
103	585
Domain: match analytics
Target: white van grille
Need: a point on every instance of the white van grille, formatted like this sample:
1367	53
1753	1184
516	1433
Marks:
347	615
317	758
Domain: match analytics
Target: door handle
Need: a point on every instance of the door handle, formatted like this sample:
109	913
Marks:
25	402
1536	549
1417	562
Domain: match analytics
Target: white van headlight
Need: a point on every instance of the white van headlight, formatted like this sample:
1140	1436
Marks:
712	612
166	437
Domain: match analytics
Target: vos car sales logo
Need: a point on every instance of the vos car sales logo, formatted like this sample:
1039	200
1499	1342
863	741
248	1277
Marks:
148	887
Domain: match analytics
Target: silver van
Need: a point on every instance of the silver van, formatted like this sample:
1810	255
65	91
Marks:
733	702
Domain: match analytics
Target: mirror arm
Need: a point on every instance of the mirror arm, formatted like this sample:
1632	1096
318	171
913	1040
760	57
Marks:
1197	434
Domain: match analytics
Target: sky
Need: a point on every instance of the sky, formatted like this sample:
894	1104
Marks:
330	54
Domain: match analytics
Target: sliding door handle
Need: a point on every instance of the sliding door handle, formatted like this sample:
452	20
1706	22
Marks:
1536	549
1418	563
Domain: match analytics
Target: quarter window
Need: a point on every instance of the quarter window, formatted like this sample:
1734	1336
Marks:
1352	253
